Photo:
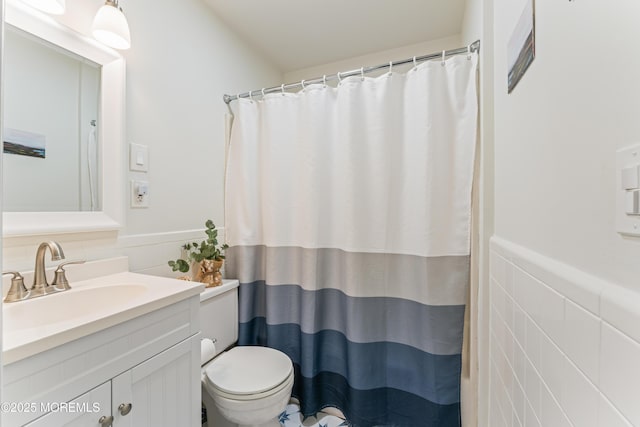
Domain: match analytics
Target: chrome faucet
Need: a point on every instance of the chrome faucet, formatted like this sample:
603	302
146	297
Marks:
40	284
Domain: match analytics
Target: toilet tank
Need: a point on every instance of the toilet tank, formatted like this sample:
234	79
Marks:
219	314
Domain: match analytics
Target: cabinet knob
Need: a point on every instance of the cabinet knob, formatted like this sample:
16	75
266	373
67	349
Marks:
125	408
105	421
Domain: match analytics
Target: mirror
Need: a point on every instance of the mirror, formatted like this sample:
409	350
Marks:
50	127
63	128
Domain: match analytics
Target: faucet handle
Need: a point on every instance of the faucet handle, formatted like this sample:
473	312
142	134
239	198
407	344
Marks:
17	291
60	278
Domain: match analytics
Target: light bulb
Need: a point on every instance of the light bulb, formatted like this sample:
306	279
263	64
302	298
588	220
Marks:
110	26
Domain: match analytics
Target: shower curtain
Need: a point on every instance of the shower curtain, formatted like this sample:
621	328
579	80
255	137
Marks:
348	216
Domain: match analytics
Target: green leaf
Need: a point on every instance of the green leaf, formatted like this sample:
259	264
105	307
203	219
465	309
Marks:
196	252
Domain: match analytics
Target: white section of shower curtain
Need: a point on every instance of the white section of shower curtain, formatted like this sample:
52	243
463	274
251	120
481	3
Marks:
375	165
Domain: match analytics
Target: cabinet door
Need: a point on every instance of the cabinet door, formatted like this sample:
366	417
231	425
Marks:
85	411
164	391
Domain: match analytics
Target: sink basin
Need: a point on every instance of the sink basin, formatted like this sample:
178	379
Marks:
67	305
94	304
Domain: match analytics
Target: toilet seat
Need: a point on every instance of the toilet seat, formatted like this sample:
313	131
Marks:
249	373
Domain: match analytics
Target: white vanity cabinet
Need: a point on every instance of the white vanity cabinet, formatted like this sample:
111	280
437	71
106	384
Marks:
160	390
151	362
94	405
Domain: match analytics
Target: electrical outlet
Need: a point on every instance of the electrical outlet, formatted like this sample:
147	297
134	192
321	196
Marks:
139	194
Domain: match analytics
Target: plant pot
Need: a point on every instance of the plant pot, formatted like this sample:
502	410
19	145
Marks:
208	272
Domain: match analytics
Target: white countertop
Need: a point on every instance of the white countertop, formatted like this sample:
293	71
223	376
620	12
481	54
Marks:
39	324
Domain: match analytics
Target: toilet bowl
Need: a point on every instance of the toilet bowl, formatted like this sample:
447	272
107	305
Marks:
246	386
249	386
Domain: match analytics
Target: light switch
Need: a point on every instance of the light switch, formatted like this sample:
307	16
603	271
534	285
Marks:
632	202
629	177
138	157
627	190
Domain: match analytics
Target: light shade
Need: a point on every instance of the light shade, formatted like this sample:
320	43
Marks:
55	7
110	26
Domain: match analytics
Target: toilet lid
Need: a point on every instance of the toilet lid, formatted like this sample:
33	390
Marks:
249	370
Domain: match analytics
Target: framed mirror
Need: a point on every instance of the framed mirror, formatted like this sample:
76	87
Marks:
63	128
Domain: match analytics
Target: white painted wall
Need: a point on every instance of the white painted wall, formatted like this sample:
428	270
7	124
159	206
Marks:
377	58
557	133
2	264
472	21
181	63
182	60
564	294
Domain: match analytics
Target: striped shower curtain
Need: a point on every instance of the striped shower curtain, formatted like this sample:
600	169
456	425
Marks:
348	216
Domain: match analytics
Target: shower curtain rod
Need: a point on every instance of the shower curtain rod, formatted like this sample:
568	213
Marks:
473	47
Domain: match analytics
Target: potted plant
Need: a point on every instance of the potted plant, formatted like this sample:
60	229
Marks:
206	257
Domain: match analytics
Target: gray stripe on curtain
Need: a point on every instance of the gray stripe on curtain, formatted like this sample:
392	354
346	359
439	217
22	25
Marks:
381	274
433	329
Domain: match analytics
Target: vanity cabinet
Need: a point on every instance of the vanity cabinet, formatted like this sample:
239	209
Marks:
95	404
151	362
160	390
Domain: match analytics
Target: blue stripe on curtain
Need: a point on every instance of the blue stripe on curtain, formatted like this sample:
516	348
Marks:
361	319
371	408
373	377
365	365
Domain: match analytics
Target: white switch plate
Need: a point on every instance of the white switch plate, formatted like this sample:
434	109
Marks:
626	158
632	202
630	178
139	194
138	157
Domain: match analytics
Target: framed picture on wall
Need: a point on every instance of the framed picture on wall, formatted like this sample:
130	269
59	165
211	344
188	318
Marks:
521	50
24	143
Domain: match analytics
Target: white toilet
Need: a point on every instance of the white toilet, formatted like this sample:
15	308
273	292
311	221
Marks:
243	386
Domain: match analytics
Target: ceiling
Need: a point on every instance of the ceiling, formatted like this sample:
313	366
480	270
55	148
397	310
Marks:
296	34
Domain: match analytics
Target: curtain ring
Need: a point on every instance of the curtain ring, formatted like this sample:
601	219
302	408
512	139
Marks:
324	80
251	95
362	73
282	89
339	78
302	83
263	92
469	52
415	64
444	53
390	67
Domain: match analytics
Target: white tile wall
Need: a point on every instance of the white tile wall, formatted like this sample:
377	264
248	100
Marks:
565	347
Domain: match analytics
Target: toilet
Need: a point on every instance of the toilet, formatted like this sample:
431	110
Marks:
245	385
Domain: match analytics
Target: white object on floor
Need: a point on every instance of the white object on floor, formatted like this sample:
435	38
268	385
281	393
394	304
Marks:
292	417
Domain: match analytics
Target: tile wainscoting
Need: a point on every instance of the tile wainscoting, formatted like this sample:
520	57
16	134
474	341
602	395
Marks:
565	346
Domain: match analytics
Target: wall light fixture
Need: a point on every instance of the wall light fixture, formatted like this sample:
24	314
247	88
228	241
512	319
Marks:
110	26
